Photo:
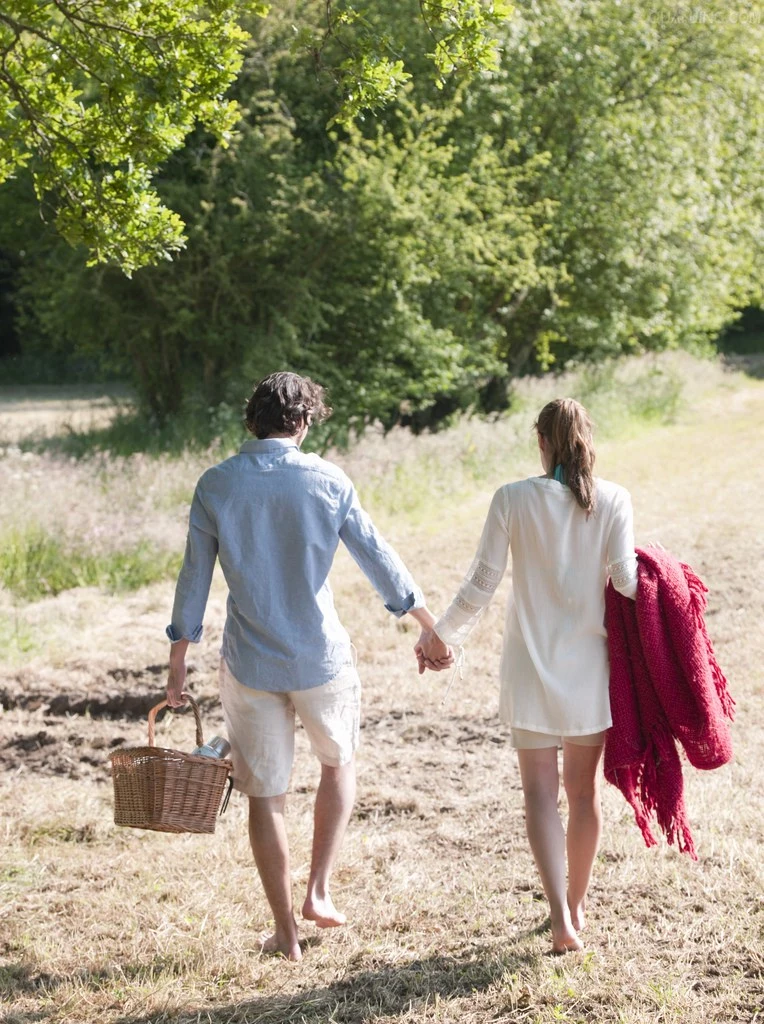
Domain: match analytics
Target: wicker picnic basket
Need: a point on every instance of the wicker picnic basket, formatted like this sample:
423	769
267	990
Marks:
167	790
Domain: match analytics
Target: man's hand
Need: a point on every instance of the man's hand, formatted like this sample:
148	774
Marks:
432	653
176	678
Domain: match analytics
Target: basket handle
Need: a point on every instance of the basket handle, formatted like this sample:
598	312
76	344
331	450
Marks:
163	704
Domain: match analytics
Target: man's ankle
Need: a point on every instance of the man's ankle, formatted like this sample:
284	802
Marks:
286	931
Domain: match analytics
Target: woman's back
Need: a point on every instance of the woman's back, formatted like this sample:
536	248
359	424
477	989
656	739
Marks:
554	666
555	638
560	554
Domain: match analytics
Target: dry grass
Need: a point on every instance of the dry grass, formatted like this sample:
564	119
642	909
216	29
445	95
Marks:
41	411
101	924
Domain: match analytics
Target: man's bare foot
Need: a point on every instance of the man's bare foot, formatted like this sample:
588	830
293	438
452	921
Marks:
323	912
577	914
277	946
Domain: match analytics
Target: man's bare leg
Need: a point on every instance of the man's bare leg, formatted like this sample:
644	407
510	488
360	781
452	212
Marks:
584	822
540	779
334	804
268	839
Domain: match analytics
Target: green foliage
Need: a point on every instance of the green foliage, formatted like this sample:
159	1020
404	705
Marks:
371	273
652	129
35	564
467	41
598	193
360	46
94	98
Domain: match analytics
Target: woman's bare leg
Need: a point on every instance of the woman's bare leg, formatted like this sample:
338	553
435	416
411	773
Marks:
541	782
579	770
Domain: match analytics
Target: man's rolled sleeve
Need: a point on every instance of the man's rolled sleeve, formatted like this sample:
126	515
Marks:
381	565
413	600
195	577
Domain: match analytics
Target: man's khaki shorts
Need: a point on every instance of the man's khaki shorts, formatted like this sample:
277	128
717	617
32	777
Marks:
261	727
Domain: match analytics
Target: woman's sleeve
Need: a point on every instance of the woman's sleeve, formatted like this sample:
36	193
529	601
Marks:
621	556
484	576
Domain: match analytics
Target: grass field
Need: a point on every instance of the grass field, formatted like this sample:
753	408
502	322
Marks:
447	922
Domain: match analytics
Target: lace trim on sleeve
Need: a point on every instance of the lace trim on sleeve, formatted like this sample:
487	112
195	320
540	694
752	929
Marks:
484	577
452	632
466	606
623	572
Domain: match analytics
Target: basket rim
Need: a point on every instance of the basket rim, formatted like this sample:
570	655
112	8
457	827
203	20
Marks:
194	758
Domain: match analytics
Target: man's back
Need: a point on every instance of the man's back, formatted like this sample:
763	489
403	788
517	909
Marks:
274	517
278	515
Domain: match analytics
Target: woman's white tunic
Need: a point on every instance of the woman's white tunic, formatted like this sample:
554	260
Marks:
554	665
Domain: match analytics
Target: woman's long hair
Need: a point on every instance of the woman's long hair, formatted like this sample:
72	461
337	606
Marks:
567	430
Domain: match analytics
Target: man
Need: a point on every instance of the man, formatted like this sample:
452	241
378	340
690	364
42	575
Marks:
274	517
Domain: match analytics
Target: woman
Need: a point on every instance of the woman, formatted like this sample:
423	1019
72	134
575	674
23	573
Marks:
567	532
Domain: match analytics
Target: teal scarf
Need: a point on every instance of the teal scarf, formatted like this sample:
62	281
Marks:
559	476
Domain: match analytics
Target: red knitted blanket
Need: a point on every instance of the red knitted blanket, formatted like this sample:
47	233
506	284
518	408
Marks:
665	686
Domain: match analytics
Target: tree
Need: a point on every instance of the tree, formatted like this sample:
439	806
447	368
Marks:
371	272
96	94
94	98
598	193
651	121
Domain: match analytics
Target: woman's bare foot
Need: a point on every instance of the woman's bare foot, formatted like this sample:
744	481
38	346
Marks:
564	938
323	912
276	945
577	915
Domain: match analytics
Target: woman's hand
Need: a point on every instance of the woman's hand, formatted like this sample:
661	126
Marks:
432	653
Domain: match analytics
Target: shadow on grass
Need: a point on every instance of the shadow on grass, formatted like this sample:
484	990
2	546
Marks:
23	979
132	433
752	364
381	992
385	990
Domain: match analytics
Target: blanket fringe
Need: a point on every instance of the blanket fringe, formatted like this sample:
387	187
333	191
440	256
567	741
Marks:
644	825
628	781
678	834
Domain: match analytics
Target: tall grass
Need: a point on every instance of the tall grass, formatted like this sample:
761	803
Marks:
623	397
35	564
619	389
135	506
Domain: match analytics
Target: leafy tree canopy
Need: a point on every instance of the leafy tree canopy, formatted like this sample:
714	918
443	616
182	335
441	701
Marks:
96	94
598	193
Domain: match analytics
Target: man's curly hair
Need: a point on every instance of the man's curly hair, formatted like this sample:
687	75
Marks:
283	403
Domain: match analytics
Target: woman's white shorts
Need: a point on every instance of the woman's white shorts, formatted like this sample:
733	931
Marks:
526	739
261	725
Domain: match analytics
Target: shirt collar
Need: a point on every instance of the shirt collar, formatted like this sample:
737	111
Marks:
255	446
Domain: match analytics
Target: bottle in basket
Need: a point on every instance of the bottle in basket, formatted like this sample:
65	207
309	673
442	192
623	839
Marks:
218	746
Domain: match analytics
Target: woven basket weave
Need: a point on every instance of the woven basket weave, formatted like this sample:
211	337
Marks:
167	790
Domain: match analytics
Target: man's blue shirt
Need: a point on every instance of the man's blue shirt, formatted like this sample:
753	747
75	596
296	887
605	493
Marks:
274	517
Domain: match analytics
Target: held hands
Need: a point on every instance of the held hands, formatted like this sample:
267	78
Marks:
432	653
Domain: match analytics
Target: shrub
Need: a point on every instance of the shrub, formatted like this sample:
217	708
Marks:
35	564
